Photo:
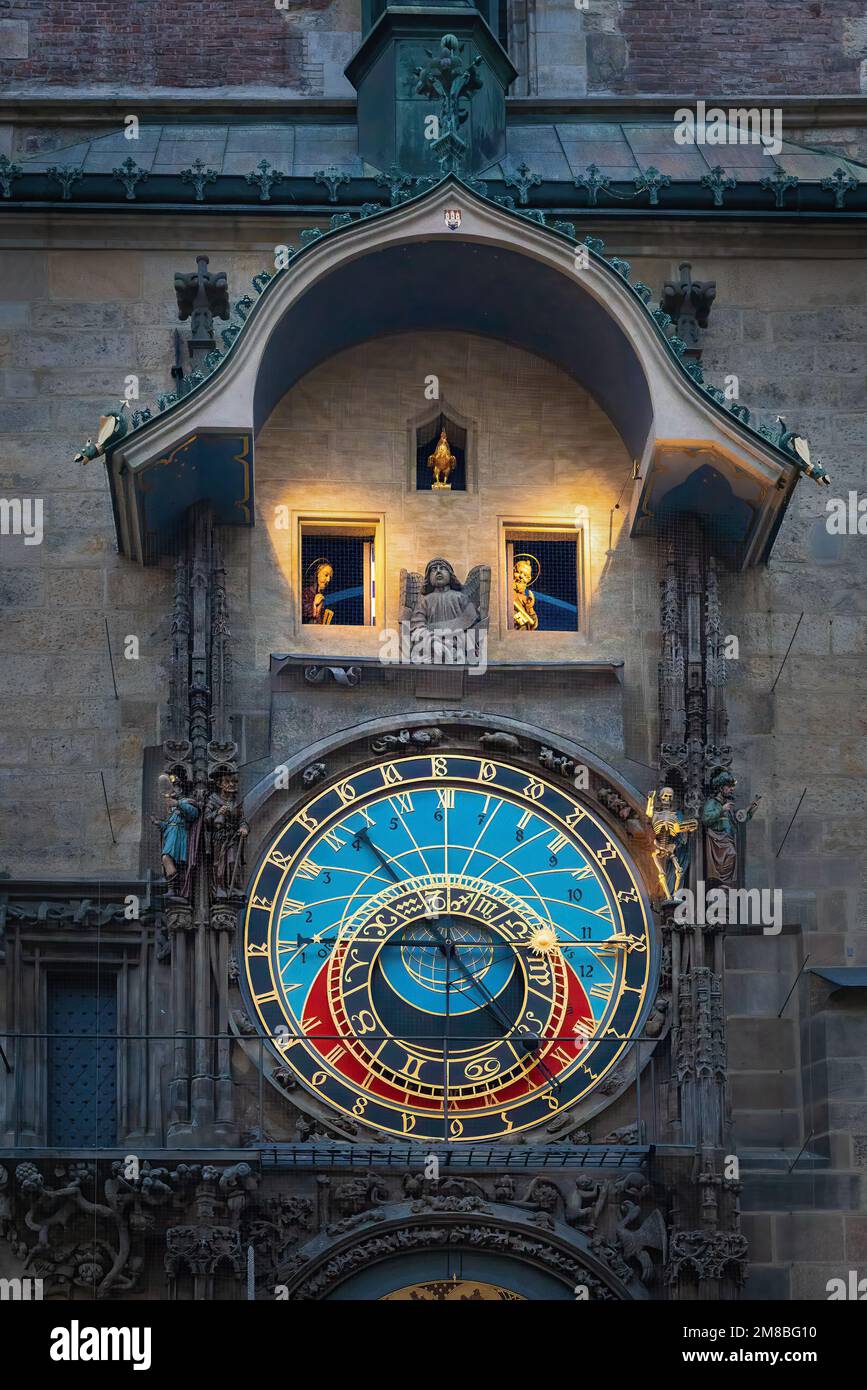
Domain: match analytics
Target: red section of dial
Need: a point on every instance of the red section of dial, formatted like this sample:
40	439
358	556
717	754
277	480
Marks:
326	1025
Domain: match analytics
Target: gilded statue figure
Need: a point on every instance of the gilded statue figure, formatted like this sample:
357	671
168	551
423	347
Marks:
442	462
524	615
722	823
313	610
671	834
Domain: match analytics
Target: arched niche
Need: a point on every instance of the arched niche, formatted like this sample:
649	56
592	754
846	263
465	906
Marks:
499	274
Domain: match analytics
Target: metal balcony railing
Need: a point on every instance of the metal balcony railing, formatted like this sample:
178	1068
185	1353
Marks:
85	1092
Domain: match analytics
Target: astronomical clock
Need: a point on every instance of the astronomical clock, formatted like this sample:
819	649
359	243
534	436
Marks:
448	946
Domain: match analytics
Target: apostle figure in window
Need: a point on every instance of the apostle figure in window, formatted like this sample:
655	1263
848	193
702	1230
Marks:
313	609
524	615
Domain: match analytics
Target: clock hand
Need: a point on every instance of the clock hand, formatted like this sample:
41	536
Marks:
386	864
494	1008
444	943
446	946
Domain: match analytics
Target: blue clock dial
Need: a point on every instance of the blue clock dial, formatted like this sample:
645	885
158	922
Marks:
448	946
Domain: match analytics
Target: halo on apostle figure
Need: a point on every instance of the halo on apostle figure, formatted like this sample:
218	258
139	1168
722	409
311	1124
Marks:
525	555
315	566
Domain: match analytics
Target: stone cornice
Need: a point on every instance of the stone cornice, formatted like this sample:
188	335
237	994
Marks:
107	106
74	902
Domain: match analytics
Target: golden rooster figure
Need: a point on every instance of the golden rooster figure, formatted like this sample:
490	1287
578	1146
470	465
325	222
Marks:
442	461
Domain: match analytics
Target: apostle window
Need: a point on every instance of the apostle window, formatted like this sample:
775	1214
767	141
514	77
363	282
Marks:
337	579
543	567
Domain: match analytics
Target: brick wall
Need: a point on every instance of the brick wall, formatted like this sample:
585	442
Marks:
199	44
703	47
689	47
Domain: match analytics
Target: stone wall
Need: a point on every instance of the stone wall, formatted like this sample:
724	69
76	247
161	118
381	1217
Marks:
790	321
692	48
76	321
73	324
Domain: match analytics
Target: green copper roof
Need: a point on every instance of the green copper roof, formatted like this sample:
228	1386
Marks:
561	151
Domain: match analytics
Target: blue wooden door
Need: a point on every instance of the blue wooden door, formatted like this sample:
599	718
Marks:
82	1066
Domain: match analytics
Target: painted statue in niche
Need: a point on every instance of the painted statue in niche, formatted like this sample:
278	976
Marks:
524	615
671	848
442	463
438	602
175	846
226	830
318	576
723	825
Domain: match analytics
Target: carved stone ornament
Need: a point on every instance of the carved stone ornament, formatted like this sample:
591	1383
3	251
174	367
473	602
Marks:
76	912
454	81
557	762
689	303
502	742
531	1246
313	773
201	1249
202	296
707	1255
60	1212
347	675
408	738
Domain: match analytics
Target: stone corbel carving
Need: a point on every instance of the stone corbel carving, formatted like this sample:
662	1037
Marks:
342	675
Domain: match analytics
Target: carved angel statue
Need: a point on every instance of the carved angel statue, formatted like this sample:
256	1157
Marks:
438	602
